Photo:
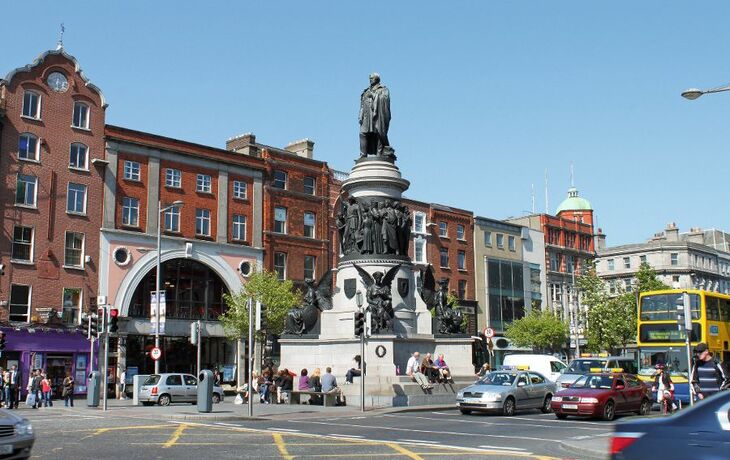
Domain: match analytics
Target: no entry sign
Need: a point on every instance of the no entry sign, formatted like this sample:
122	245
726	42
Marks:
156	353
488	332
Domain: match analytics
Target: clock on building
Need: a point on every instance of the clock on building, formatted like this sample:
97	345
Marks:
58	82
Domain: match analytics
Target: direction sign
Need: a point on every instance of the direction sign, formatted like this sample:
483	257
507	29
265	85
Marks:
156	353
488	332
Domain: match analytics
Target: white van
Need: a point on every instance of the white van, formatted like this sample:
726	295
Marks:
547	365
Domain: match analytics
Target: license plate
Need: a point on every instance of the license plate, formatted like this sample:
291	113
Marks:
570	406
6	449
472	400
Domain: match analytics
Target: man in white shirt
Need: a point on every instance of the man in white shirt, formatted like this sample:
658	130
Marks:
414	371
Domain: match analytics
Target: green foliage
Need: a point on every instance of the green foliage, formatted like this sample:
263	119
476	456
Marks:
541	331
647	280
265	287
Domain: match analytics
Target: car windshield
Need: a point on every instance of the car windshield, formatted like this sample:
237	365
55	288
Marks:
498	378
581	366
152	380
601	382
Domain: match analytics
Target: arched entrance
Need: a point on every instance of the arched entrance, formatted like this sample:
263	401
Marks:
193	291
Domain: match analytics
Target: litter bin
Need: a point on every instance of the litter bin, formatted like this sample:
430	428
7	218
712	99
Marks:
93	389
205	391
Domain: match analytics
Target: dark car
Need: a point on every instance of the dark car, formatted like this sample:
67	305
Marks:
699	433
16	436
603	395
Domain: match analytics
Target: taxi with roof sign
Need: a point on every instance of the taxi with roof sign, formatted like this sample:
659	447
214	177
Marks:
603	394
587	361
506	390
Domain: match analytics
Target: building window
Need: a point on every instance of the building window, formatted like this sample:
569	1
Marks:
310	185
81	115
25	190
506	294
511	243
674	258
500	241
419	250
173	178
280	220
627	262
461	260
444	258
132	171
570	264
74	249
488	239
675	278
280	265
76	199
642	259
19	303
239	227
612	287
610	264
459	232
419	222
443	229
461	291
78	157
32	105
71	306
309	264
280	179
130	211
554	236
570	240
22	243
309	222
203	183
28	147
240	190
202	222
554	262
172	219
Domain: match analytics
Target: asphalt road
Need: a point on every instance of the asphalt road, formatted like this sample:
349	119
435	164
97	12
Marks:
82	433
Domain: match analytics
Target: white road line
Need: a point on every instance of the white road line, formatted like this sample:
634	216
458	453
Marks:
442	413
227	424
502	422
346	435
420	441
282	429
502	448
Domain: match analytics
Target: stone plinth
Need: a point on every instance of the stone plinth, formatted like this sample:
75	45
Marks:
372	178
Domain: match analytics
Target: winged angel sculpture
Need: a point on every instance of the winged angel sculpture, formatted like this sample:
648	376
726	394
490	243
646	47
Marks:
318	297
379	298
436	298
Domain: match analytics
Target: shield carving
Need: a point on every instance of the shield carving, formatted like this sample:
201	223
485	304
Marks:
403	287
350	287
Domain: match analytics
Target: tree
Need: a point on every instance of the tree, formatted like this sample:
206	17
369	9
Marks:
647	280
541	331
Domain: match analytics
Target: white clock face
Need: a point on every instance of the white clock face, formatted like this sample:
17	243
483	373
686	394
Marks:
57	81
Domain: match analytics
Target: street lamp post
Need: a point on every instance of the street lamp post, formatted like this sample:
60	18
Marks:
694	93
160	210
359	300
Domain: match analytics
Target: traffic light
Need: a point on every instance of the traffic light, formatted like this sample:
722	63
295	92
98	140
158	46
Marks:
262	322
2	341
86	324
359	323
113	320
194	333
93	325
684	313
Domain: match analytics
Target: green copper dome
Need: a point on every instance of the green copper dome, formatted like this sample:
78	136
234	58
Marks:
574	202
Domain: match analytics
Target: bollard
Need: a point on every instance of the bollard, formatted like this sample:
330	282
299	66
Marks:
92	391
205	391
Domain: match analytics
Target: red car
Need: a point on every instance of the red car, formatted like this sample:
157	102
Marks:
603	395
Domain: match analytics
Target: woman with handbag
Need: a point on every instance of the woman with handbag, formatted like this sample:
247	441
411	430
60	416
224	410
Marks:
68	390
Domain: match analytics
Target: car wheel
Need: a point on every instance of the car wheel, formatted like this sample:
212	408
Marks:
164	400
508	408
216	398
561	416
546	404
645	408
465	411
609	411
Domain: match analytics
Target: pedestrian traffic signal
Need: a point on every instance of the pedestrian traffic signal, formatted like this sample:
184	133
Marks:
262	320
359	323
113	320
2	341
93	325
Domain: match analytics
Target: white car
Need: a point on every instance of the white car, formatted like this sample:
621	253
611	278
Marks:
547	365
164	389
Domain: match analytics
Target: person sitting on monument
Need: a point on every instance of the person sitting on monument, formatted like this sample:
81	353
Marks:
265	387
414	371
353	372
329	385
315	384
428	369
303	384
443	369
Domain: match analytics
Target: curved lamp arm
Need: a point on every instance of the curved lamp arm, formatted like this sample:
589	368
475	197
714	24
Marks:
694	93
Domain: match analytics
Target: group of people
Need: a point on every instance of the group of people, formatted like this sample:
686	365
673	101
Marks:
274	387
380	227
426	372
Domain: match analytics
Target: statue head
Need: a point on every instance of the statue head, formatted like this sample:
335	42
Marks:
444	284
374	78
377	276
309	282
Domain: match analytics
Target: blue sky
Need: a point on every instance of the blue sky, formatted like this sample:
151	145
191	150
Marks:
486	95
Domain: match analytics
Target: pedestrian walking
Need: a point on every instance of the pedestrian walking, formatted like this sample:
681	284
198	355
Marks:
34	388
46	390
664	388
707	376
12	391
68	390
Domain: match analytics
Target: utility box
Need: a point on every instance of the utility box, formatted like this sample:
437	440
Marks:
137	381
93	389
205	391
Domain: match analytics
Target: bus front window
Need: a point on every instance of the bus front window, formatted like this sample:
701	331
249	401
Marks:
663	307
674	358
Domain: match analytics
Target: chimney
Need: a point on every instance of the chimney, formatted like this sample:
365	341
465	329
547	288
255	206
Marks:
244	144
672	232
303	148
599	240
696	235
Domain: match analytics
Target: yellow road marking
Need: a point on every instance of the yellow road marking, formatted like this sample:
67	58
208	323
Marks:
175	436
279	440
402	450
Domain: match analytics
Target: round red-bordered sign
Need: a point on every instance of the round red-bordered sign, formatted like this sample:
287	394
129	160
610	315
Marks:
488	332
155	353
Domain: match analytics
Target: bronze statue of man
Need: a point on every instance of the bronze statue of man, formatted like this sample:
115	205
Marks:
374	119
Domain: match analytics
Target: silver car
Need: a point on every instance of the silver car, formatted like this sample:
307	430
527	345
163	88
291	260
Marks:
16	436
585	364
164	389
506	391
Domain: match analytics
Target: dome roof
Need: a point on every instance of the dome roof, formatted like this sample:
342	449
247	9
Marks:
574	202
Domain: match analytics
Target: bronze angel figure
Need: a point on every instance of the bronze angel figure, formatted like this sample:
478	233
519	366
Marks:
379	298
318	297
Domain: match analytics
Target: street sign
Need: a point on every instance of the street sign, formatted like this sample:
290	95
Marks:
155	312
488	332
155	353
